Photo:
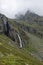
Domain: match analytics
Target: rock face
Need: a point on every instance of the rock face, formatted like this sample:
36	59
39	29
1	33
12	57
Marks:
1	28
4	24
29	29
1	25
5	27
8	30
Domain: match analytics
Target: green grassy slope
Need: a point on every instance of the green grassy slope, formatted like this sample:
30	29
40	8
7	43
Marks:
33	43
32	37
34	25
11	55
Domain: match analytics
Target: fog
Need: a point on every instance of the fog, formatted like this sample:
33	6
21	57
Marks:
12	7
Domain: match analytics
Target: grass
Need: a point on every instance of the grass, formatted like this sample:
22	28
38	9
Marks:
12	55
34	26
32	42
35	44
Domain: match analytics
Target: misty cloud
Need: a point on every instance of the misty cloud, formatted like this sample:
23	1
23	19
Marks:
12	7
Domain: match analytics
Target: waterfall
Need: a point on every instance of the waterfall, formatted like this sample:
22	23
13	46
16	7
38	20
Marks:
20	41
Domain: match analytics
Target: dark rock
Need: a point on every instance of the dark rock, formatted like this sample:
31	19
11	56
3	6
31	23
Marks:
6	28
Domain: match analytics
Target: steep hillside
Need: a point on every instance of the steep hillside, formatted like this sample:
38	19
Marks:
19	46
10	54
33	40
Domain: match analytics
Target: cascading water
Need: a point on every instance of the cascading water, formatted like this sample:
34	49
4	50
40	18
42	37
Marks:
20	41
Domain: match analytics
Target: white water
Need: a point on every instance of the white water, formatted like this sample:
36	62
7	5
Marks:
20	41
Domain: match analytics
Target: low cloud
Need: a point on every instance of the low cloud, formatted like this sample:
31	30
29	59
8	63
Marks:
12	7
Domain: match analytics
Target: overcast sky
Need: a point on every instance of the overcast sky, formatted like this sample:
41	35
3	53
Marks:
12	7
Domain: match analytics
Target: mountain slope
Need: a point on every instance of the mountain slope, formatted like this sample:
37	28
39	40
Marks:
11	55
35	41
10	51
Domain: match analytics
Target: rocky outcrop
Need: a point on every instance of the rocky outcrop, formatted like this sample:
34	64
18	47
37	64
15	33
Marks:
8	30
5	24
29	29
5	27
